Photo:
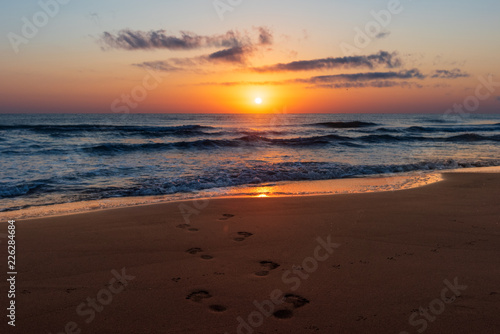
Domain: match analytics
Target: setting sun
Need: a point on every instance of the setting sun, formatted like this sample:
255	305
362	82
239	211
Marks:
258	100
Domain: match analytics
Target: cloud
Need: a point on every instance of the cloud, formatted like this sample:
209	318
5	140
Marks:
236	55
160	66
382	34
265	36
236	47
127	39
356	80
446	74
243	83
322	79
390	60
240	55
374	84
232	55
498	98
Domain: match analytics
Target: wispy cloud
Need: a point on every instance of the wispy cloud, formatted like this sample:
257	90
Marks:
160	66
355	80
449	74
322	79
382	58
243	83
128	39
237	56
232	55
374	84
265	36
382	34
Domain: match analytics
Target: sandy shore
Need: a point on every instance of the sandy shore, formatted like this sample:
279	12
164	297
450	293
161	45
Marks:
419	260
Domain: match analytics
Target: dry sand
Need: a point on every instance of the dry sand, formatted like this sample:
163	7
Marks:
358	263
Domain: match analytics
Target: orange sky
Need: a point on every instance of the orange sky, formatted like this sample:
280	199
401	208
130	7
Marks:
93	58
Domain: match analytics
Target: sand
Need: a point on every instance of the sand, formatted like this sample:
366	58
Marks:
420	260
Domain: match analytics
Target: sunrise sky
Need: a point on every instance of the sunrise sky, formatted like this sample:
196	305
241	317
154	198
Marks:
223	56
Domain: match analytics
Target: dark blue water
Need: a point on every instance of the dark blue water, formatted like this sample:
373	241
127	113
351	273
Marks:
49	159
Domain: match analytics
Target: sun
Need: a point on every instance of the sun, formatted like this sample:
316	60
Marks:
258	100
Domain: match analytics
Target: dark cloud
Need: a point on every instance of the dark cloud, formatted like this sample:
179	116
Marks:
265	36
446	74
356	80
238	48
127	39
382	34
233	55
322	79
381	58
374	84
237	55
159	66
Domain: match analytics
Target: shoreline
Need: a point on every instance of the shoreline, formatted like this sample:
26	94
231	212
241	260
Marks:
365	184
391	254
333	187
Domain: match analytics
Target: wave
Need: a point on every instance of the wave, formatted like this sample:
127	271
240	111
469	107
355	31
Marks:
472	137
258	141
154	131
221	177
344	125
25	188
248	141
454	129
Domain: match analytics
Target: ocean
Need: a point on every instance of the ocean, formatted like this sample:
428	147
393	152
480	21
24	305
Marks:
49	159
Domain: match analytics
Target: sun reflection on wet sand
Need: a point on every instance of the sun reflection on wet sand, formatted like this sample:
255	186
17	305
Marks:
339	186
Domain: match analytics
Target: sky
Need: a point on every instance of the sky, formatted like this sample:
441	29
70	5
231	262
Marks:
249	56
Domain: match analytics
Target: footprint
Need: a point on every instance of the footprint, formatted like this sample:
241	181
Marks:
217	308
187	227
296	300
198	295
283	314
312	327
194	250
242	236
176	279
268	266
226	216
207	257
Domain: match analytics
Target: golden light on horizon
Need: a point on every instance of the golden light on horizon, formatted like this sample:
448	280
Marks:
262	192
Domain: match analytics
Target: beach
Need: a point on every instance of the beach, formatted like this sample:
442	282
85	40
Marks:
235	167
419	260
